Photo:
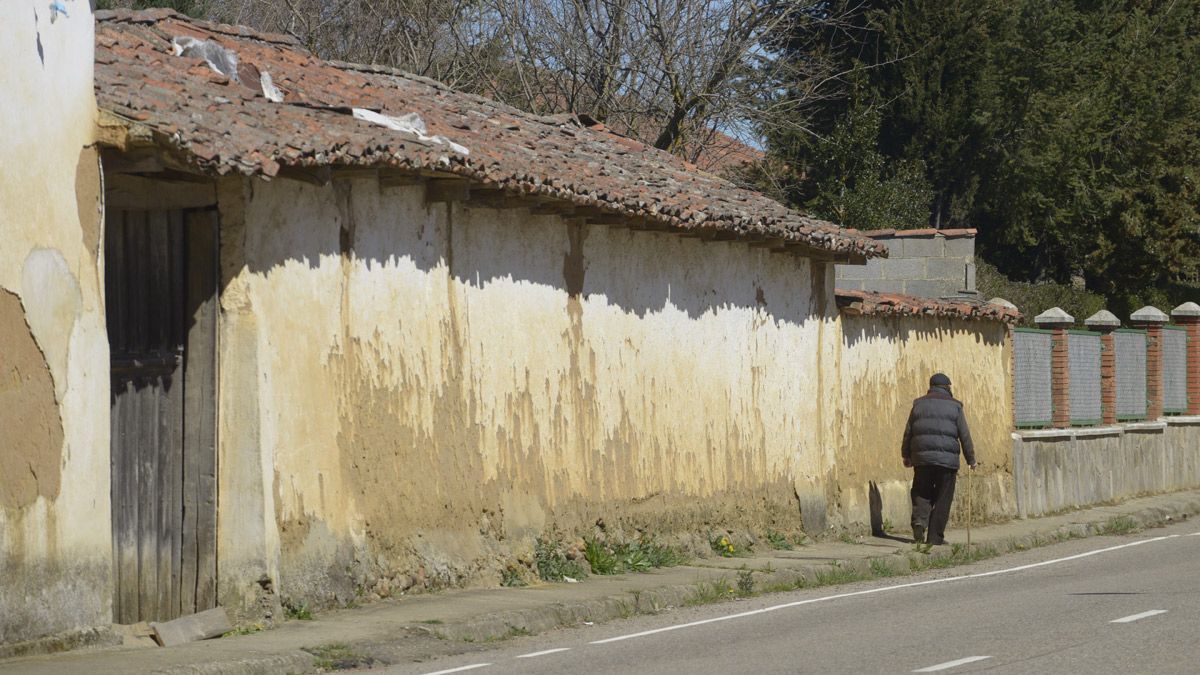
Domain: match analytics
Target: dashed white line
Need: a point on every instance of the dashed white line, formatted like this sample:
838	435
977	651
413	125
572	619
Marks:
543	653
952	664
459	669
1134	617
884	589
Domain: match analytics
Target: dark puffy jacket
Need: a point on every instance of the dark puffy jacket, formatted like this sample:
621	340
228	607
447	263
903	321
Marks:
936	426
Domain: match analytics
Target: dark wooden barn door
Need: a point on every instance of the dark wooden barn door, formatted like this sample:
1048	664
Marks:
160	283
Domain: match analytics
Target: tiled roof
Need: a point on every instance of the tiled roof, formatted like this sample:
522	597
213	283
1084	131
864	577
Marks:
215	125
925	232
866	303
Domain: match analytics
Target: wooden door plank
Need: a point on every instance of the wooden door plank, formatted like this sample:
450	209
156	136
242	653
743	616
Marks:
135	256
178	295
124	514
200	394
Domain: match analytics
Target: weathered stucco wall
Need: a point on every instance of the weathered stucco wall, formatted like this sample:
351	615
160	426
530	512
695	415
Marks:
55	549
416	391
886	362
1057	470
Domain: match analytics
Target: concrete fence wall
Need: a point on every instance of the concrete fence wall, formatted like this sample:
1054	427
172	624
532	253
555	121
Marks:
1061	469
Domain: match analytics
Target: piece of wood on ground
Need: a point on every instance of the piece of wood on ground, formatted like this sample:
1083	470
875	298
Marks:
199	626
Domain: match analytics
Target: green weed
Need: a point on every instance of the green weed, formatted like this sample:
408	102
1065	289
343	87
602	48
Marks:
880	568
723	546
600	557
552	564
837	574
512	577
299	612
778	541
634	556
745	582
1118	525
708	592
338	656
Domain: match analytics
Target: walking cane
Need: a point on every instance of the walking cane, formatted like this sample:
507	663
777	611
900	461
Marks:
970	470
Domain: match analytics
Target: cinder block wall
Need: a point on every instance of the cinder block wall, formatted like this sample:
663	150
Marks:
925	263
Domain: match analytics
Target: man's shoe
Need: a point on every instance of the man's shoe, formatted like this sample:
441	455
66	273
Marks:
918	535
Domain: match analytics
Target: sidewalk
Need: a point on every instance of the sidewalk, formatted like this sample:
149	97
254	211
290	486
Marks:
411	625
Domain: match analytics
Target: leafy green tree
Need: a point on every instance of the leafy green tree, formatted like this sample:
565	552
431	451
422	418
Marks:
1066	131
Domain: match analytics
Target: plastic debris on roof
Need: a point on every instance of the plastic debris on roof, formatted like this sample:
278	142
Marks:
410	123
269	90
220	59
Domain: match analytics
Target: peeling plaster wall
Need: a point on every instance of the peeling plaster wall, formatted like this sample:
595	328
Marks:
411	394
55	547
886	362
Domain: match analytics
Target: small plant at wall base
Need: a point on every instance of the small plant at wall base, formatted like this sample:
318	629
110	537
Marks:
512	577
723	546
636	556
553	564
298	611
778	541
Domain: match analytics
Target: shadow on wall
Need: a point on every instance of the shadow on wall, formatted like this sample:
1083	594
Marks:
625	267
986	333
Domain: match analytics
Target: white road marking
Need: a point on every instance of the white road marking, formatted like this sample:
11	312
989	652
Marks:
543	653
884	589
1134	617
952	664
473	666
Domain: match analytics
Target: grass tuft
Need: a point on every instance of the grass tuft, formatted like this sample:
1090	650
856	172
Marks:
338	656
1118	525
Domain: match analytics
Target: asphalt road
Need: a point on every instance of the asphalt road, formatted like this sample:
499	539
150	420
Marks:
1128	604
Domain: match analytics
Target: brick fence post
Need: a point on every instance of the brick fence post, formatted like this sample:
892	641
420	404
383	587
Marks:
1188	316
1152	320
1105	322
1058	321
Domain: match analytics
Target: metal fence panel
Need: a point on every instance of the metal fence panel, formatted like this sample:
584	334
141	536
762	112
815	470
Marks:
1130	347
1034	403
1084	369
1175	398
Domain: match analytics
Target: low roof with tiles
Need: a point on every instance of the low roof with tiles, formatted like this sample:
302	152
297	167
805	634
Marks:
217	124
866	303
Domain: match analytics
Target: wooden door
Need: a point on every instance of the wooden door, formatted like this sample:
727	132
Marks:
160	283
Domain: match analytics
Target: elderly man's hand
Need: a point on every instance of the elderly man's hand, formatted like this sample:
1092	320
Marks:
907	462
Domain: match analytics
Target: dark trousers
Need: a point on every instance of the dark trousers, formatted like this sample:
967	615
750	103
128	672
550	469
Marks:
932	493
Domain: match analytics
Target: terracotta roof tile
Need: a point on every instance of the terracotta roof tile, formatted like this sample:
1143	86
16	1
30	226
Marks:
215	125
866	303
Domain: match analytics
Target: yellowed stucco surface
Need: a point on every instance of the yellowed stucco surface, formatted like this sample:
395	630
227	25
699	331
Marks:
885	364
55	547
433	386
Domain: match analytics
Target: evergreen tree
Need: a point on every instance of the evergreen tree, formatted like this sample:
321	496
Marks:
1067	132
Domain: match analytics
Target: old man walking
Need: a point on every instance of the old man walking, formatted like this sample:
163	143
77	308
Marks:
936	431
